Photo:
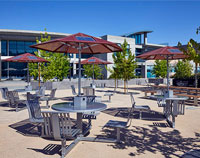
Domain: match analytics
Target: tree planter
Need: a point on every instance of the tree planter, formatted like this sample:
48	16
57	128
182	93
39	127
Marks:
185	82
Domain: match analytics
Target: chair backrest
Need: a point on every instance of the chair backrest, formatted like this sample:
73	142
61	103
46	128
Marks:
4	93
147	83
34	110
132	100
53	92
58	124
73	90
130	112
13	97
32	96
161	102
41	91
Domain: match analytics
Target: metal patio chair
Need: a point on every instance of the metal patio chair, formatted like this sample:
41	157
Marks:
41	91
4	91
139	108
14	101
118	125
34	112
60	126
49	97
74	90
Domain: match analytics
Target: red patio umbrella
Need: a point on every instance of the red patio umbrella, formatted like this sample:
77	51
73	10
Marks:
165	53
26	58
93	61
80	44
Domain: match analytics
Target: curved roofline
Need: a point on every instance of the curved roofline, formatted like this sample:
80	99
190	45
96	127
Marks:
138	32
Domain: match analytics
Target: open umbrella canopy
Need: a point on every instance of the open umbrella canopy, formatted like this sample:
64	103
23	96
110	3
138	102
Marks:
70	44
94	60
165	53
162	53
79	43
26	58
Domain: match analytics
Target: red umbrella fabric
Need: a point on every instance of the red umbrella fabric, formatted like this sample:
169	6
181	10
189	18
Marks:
162	53
79	43
26	58
94	60
69	44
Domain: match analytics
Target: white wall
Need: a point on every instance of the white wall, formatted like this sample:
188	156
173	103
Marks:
118	39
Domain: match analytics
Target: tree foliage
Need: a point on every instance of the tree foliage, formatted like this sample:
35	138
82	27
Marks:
160	68
193	53
183	69
58	66
124	65
88	71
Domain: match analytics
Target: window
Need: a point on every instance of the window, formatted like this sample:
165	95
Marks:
149	72
70	55
20	47
4	48
84	56
138	39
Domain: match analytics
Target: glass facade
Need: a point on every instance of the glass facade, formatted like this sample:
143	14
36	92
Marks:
149	72
20	47
4	48
138	71
138	39
13	48
70	55
84	56
138	51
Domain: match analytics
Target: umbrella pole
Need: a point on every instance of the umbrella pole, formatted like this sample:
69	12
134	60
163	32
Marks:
39	75
168	74
93	74
28	74
79	71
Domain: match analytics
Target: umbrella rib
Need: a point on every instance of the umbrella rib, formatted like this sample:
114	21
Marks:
58	48
90	49
107	47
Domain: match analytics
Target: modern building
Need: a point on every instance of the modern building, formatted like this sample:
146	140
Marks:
15	42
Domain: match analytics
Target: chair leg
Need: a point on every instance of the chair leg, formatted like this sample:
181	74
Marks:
42	130
118	135
109	98
47	103
16	107
63	148
140	116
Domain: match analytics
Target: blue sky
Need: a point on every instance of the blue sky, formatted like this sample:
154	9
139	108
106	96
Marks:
171	21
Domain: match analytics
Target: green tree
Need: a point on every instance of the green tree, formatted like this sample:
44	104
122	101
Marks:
114	74
58	66
160	68
124	65
88	71
193	53
183	69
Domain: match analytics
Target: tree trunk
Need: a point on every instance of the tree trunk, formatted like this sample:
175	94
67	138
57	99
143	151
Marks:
196	80
124	86
115	84
127	86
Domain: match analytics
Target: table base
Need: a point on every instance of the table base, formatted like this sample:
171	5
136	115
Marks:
65	150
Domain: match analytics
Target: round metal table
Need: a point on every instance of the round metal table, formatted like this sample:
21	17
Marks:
69	107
